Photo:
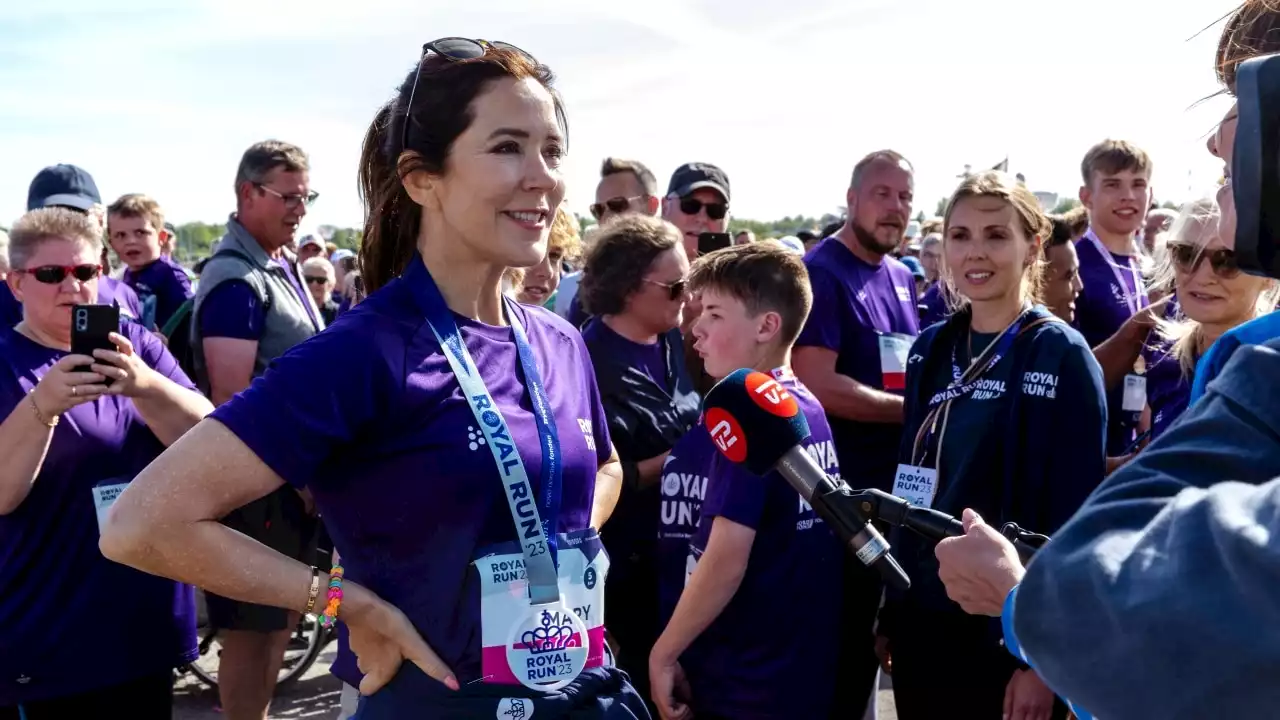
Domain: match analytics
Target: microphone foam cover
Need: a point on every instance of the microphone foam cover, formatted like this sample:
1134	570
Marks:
753	419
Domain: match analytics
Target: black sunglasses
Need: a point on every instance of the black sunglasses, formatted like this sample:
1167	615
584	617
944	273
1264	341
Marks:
316	280
1187	258
614	205
676	289
715	211
54	274
455	49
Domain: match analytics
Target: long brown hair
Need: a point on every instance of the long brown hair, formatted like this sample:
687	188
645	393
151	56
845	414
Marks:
1252	30
442	110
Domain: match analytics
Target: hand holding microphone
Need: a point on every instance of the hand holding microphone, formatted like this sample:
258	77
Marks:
978	568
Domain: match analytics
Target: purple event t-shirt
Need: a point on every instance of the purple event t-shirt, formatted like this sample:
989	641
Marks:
64	607
853	303
1168	389
684	485
113	292
166	282
233	309
10	308
935	306
408	495
649	359
761	657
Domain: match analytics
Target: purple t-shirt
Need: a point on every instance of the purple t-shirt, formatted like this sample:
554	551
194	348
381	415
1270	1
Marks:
10	308
649	359
392	454
234	310
163	285
761	658
64	607
684	485
113	292
854	303
935	306
1168	389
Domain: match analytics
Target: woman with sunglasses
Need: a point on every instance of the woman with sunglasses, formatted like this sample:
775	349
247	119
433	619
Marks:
462	471
633	286
1004	413
75	431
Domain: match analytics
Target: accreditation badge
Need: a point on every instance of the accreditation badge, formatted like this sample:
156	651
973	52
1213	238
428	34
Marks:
895	348
916	485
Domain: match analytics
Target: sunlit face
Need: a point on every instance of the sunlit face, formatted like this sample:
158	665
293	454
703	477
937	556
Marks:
692	225
621	190
1222	145
502	182
1117	202
1204	295
1062	282
881	206
728	337
134	239
655	303
986	249
541	280
310	250
930	256
272	210
320	283
47	308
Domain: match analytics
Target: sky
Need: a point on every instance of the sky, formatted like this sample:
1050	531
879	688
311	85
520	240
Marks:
785	95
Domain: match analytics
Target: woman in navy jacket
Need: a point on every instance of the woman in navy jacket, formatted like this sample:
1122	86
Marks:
1005	414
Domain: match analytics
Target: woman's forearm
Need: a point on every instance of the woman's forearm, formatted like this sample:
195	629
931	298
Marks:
24	441
170	410
608	490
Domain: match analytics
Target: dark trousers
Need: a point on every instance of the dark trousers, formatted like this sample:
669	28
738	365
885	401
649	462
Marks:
631	617
147	698
857	663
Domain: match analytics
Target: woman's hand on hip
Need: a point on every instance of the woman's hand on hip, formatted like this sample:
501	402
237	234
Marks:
382	638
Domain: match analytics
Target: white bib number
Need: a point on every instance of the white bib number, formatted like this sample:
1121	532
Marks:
104	496
916	485
1135	393
894	351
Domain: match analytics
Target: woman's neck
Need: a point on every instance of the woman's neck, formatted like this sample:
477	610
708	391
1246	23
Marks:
56	341
630	328
992	316
471	286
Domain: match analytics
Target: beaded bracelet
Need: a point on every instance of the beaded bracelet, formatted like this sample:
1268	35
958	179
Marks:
334	598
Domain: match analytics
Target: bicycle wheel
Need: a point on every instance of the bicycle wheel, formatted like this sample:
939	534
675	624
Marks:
304	647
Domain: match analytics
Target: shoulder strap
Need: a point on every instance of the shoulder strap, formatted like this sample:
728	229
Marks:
232	252
178	315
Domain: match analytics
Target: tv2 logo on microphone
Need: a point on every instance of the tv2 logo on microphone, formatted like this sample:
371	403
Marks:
771	396
727	434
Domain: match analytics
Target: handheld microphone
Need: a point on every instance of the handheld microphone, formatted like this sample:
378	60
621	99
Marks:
755	422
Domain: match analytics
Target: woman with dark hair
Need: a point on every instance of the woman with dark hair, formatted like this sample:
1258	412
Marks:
633	286
463	467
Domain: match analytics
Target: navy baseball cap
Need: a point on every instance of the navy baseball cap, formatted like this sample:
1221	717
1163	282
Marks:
63	185
914	266
691	176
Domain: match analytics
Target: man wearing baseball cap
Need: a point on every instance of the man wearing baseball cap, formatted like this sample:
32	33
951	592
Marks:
697	201
310	246
72	187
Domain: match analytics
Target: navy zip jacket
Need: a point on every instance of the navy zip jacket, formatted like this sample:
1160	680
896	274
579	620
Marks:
1027	446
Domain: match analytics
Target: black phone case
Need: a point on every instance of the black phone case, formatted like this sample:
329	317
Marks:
90	326
709	242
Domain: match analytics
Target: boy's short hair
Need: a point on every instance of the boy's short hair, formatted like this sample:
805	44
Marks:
765	276
1068	226
1110	157
136	205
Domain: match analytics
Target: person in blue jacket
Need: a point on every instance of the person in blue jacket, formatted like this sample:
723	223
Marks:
1006	414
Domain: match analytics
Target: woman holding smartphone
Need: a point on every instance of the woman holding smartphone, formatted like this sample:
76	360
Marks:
70	444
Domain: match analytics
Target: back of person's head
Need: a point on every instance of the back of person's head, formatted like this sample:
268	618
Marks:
137	205
1112	157
765	277
619	257
416	131
1030	220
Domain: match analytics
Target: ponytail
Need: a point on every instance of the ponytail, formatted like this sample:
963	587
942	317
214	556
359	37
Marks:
392	217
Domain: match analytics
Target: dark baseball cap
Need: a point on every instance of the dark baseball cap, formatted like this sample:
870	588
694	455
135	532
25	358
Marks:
691	176
66	185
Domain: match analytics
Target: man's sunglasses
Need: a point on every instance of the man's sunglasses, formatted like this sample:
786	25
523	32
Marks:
455	49
54	274
1187	258
614	205
715	211
675	289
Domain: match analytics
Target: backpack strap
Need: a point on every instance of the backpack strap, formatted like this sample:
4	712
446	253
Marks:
232	252
178	316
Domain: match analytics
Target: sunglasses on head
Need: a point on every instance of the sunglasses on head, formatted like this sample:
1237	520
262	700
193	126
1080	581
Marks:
455	49
1187	258
54	274
675	289
614	205
692	206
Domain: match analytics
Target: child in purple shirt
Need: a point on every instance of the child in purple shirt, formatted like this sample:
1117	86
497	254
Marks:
135	229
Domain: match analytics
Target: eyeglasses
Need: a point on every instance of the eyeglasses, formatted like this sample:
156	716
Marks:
692	206
317	280
614	205
676	289
455	49
1187	258
291	202
54	274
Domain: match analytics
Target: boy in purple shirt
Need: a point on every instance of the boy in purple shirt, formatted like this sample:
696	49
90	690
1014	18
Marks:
135	229
1117	193
761	552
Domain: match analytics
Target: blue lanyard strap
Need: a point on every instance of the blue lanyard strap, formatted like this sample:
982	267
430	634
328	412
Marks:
534	517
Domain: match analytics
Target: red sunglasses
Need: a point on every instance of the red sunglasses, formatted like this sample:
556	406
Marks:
54	274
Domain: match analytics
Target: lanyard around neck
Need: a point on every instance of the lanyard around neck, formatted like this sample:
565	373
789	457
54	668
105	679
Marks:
1136	300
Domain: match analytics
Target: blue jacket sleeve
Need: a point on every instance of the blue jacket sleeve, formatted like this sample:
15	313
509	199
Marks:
1154	599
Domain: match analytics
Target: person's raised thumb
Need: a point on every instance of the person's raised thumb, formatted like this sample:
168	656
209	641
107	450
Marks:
971	519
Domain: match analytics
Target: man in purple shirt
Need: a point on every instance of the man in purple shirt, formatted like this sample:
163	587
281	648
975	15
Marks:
250	309
136	231
853	355
1117	193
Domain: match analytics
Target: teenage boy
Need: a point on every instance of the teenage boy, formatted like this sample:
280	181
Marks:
762	562
1116	193
136	231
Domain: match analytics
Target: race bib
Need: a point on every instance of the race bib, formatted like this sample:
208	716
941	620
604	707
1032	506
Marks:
894	350
542	647
916	485
104	496
1135	393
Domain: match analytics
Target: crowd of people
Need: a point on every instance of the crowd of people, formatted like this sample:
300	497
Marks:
513	487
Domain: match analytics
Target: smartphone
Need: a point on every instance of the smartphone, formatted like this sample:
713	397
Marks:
90	325
1255	166
709	242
